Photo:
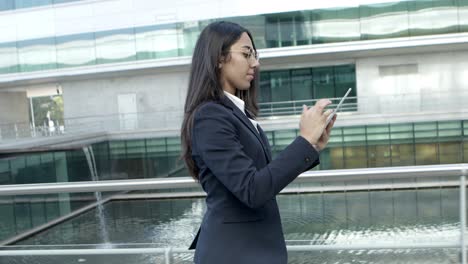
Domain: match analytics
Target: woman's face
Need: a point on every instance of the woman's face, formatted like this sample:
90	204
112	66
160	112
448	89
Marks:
239	66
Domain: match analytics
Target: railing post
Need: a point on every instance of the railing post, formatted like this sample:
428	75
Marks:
168	255
463	215
16	130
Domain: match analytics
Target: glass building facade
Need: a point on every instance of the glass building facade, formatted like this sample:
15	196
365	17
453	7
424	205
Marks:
19	4
365	22
384	84
439	142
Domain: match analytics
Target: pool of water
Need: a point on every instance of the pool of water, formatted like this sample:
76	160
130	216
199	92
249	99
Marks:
427	215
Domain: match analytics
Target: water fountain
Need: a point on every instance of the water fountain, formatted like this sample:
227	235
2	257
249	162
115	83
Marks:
100	214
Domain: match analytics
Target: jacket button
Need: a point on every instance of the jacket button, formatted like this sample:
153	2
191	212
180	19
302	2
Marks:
307	159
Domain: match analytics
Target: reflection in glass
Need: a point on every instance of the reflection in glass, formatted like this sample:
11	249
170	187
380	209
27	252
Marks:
115	46
384	20
31	3
76	50
334	25
280	86
190	33
7	5
301	84
432	17
272	34
323	81
8	58
36	55
156	42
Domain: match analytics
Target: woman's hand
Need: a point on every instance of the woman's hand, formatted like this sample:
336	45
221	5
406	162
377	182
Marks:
323	140
313	123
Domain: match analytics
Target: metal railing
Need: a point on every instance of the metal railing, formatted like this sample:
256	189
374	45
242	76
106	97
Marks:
419	172
171	119
295	107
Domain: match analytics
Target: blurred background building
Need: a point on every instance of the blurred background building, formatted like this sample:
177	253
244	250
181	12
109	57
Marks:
112	75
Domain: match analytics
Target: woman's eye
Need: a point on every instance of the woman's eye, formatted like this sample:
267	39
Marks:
247	55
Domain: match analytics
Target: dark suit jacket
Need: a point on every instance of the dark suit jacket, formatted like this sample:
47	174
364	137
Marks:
242	222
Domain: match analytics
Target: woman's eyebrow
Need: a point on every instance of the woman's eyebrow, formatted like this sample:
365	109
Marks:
247	47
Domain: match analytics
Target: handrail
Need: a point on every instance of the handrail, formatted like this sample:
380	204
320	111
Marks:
290	248
454	170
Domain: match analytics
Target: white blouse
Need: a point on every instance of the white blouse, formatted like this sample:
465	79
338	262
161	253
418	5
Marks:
241	105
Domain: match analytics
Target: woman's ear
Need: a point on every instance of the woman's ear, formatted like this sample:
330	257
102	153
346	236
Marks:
220	63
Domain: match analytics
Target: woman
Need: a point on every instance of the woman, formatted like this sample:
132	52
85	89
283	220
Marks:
228	153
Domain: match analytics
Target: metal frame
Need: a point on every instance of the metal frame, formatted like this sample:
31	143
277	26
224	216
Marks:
454	170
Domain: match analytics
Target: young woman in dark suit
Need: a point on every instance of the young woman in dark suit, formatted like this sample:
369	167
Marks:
228	153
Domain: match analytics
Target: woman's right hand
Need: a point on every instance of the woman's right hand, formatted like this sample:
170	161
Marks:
314	121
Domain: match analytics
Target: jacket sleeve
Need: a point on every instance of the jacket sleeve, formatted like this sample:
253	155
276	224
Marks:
217	143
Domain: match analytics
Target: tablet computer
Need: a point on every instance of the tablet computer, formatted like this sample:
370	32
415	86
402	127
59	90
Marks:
330	117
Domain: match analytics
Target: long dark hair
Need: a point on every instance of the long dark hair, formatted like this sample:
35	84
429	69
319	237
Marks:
204	84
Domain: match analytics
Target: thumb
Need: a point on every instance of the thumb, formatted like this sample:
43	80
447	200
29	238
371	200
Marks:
304	108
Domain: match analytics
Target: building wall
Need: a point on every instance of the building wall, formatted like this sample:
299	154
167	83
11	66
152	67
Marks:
14	108
412	83
160	97
14	114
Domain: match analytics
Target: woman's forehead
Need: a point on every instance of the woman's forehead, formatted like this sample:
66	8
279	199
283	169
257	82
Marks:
244	42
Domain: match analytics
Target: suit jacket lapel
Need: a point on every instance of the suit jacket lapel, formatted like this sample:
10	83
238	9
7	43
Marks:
265	142
244	119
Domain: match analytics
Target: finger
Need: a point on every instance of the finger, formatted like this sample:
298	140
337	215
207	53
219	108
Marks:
328	112
304	108
321	104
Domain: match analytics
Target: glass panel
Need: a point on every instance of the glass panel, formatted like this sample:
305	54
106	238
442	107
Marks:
7	218
256	25
324	83
64	1
272	32
450	152
301	84
156	147
173	145
420	17
303	28
337	158
465	151
444	17
280	86
115	46
432	17
355	157
22	214
283	138
287	30
384	20
9	58
190	33
7	5
426	154
379	156
31	3
5	177
157	42
463	15
345	78
265	87
403	154
39	54
76	50
335	25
